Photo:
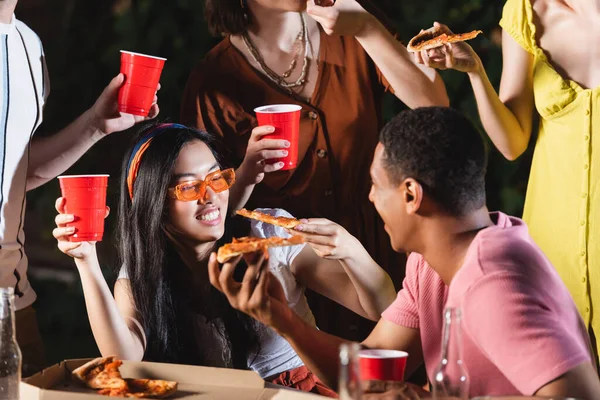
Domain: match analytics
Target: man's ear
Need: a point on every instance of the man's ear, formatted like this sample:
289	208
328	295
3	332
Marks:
412	195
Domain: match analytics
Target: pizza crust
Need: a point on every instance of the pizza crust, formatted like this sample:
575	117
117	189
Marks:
245	245
284	222
434	37
81	373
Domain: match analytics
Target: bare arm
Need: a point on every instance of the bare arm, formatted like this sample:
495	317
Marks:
337	266
415	85
265	301
507	118
320	350
581	382
51	156
387	335
114	321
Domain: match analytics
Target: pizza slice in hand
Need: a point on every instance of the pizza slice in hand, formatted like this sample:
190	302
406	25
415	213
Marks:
435	37
101	373
284	222
251	244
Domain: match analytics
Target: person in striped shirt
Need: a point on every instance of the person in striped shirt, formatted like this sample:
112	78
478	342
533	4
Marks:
29	161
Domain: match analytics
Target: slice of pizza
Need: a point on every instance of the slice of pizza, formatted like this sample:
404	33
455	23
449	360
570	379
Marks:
101	373
113	392
435	37
245	245
150	388
284	222
461	37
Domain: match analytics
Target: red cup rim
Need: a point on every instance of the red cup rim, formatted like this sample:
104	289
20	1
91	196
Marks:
143	55
382	354
83	176
278	108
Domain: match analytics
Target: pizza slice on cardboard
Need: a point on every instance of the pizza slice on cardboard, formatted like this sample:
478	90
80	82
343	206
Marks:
103	373
143	389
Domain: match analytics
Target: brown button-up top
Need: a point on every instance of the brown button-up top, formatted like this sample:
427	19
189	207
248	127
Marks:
338	133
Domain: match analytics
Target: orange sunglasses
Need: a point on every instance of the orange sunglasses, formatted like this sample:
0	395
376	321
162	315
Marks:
218	181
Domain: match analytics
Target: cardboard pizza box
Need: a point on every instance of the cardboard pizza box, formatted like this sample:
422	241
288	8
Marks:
194	383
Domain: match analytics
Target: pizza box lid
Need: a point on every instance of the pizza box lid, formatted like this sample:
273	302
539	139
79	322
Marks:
54	383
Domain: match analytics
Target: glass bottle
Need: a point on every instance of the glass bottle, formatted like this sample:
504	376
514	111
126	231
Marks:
349	375
10	354
450	378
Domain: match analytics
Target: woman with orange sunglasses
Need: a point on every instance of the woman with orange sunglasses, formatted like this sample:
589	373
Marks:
173	212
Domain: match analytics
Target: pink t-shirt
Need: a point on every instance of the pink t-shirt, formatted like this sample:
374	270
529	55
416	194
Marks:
520	326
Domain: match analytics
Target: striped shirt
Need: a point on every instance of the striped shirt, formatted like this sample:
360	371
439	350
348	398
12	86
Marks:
25	87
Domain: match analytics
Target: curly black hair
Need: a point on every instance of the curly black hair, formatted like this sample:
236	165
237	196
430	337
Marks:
443	151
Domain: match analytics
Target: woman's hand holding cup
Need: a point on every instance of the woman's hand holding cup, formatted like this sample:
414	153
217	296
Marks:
260	154
63	232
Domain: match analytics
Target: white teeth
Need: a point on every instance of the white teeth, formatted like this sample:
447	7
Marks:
210	216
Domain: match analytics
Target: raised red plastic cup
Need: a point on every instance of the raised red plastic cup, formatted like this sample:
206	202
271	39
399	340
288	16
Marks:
285	118
85	197
142	74
382	365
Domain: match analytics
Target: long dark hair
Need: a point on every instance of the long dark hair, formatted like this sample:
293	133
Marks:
161	283
226	17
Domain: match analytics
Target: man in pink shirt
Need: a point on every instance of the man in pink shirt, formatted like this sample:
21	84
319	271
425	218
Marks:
522	331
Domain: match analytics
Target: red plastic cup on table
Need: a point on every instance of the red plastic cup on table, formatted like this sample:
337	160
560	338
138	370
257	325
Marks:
285	118
382	365
142	74
85	198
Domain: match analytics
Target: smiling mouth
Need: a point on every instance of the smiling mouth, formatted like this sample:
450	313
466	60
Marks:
211	216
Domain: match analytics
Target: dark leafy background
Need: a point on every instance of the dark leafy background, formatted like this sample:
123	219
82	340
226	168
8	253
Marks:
82	40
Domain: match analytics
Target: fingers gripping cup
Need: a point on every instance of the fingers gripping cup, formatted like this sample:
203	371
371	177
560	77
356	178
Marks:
142	74
285	118
382	365
85	198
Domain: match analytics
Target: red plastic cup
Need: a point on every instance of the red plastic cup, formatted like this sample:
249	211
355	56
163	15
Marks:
285	118
142	74
86	199
382	365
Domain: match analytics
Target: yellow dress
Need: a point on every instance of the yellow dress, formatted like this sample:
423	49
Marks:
562	206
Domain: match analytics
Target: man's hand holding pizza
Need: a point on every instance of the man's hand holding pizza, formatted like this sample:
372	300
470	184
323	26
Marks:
260	294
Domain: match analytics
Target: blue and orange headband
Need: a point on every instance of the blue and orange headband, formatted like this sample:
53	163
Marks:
140	148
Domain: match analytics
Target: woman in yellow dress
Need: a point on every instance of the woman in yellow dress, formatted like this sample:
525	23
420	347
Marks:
551	60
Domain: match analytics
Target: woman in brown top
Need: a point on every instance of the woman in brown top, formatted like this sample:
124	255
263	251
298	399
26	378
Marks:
336	61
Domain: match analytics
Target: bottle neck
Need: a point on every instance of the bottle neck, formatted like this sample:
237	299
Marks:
349	379
7	316
452	336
